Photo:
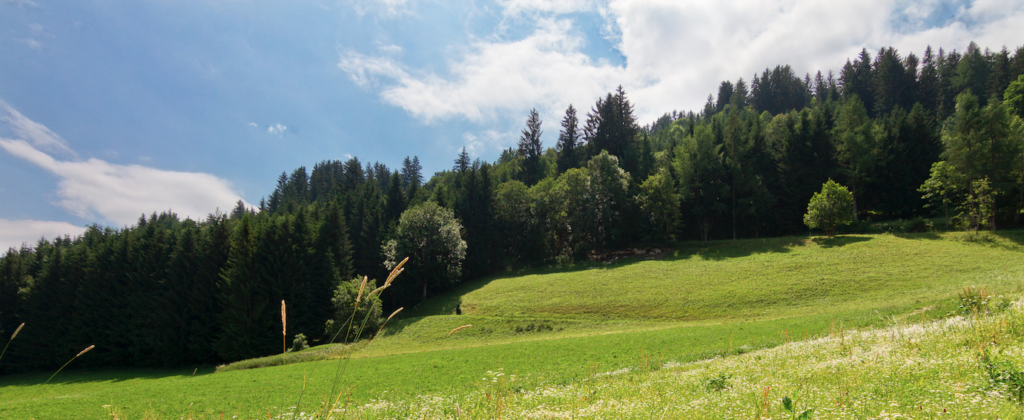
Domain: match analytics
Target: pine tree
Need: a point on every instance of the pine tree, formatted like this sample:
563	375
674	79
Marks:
330	264
740	96
462	162
204	302
530	149
856	147
394	200
856	78
173	317
928	82
725	91
972	73
244	332
568	141
615	126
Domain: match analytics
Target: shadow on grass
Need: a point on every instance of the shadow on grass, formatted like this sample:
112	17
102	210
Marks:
1016	236
838	241
931	236
85	375
724	249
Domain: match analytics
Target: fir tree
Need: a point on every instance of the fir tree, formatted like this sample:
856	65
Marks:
530	149
568	141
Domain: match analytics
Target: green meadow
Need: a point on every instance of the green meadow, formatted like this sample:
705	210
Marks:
560	327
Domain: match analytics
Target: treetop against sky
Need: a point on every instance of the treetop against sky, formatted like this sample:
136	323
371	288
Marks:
112	110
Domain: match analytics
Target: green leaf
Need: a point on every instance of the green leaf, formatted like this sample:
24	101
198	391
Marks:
806	415
787	403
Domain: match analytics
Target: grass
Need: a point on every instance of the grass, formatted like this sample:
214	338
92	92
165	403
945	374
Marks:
752	279
558	327
962	367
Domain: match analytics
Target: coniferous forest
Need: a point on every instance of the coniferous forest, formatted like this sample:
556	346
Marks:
938	135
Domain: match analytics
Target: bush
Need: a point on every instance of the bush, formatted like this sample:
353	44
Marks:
1004	373
974	301
368	316
299	343
718	382
830	208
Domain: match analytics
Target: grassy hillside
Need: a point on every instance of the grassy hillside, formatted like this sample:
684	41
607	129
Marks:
753	279
559	326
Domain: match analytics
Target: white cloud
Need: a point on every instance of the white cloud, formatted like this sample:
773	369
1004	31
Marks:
254	124
544	70
389	49
21	3
277	129
115	193
33	44
15	233
677	52
386	8
487	141
26	129
515	7
121	193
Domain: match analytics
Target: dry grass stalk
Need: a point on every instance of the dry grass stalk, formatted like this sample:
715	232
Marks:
396	271
459	329
386	321
391	277
284	328
374	292
85	351
69	362
361	287
16	331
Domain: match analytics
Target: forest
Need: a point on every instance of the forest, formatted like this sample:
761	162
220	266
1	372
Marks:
935	137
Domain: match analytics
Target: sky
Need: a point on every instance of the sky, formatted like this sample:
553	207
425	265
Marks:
112	109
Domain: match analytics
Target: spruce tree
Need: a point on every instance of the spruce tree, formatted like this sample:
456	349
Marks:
462	162
530	149
394	199
568	141
243	332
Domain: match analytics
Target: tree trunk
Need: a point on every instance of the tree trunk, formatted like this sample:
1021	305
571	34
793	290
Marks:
424	291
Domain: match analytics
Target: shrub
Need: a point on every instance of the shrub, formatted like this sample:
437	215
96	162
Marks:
718	382
830	208
299	343
1004	373
973	300
364	320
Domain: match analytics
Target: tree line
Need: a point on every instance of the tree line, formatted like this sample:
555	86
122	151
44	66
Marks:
940	135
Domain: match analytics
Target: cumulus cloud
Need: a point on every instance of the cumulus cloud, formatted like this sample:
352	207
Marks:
544	70
277	129
99	190
676	52
15	233
121	193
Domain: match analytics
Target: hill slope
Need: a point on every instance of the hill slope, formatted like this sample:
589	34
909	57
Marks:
562	325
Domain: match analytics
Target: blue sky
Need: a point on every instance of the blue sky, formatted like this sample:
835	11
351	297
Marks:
113	109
